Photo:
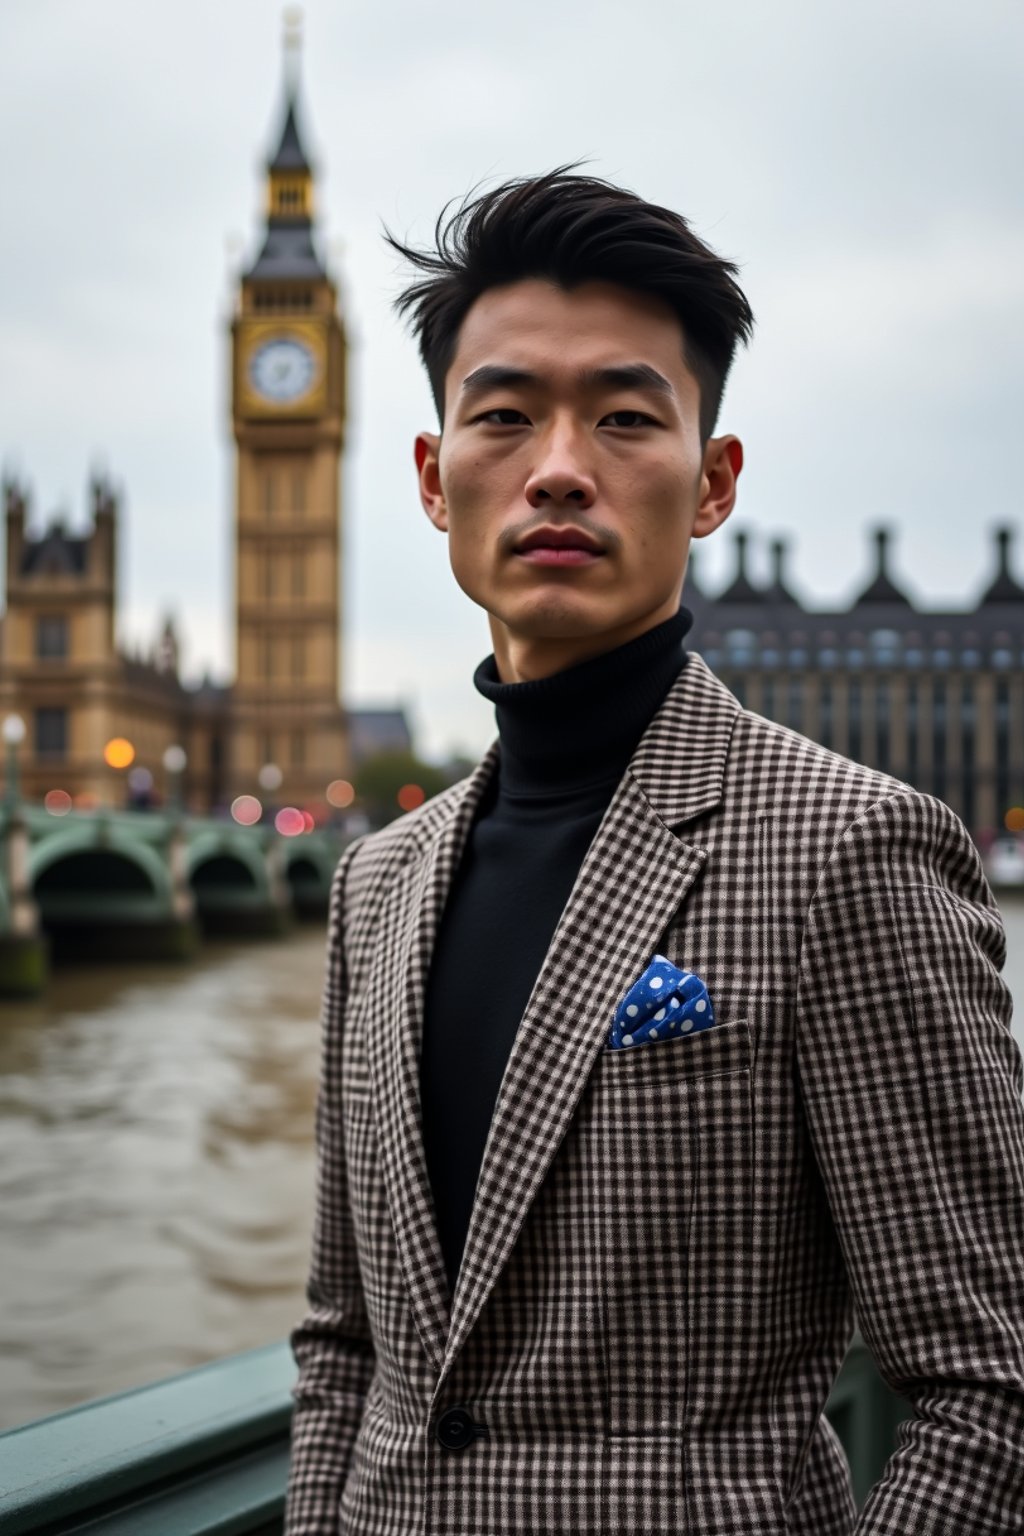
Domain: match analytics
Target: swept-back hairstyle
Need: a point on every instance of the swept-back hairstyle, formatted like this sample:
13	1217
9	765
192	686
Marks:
573	229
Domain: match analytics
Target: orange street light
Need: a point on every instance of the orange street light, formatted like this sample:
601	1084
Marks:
118	753
340	793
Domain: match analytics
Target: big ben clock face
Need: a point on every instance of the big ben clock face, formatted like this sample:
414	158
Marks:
282	370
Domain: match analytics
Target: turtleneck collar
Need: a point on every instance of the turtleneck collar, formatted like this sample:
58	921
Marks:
579	727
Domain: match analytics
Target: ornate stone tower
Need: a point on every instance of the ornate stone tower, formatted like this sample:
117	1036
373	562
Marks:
288	415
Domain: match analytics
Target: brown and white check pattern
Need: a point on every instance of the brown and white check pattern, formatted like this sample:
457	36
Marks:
668	1243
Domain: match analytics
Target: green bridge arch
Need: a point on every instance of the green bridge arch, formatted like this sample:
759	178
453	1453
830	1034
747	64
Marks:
149	895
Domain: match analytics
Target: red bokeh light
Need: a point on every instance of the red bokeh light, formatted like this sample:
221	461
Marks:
411	796
246	810
290	821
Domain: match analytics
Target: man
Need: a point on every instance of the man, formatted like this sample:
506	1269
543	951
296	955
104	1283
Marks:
562	1284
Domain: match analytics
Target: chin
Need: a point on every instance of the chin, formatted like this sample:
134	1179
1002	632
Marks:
557	616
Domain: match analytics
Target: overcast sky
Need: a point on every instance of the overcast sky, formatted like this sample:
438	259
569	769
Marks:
862	163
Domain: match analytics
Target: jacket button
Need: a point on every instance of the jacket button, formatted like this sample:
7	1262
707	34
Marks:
456	1429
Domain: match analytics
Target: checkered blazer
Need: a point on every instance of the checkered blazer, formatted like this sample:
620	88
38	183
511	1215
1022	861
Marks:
668	1242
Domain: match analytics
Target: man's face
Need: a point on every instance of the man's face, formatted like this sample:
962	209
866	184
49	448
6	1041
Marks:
570	476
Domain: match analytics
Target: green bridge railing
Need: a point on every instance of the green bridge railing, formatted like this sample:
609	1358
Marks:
206	1453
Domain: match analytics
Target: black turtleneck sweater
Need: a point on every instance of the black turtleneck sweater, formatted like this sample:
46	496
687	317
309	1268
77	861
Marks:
565	742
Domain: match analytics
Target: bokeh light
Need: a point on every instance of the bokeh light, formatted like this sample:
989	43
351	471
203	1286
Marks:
140	780
118	753
57	801
410	796
270	776
1014	819
246	810
290	821
310	821
340	793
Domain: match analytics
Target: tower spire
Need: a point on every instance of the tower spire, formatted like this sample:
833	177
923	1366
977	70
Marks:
741	589
290	155
882	588
1005	588
288	250
292	48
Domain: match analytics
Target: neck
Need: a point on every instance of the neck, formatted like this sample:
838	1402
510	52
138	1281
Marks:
526	658
581	725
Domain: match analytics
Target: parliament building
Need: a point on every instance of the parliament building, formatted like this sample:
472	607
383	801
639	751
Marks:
61	668
933	697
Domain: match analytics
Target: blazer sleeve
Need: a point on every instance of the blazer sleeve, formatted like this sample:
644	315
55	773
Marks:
911	1083
332	1344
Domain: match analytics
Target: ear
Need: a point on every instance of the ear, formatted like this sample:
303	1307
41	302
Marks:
427	451
723	460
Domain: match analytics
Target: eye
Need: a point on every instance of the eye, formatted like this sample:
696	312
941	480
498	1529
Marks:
628	419
503	416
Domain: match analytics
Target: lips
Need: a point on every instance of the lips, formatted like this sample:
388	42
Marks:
563	542
558	538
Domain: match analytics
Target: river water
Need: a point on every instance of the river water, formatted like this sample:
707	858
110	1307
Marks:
156	1165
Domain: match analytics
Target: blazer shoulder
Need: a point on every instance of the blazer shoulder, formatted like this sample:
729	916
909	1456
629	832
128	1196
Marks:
377	857
816	806
812	792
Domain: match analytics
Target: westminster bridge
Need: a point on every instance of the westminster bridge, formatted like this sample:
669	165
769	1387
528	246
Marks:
145	884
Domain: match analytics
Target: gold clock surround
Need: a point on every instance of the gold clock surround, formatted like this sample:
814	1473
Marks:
254	334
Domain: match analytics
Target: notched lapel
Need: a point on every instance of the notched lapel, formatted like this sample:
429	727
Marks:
632	882
635	877
408	925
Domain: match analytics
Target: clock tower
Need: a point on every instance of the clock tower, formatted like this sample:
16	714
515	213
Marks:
288	415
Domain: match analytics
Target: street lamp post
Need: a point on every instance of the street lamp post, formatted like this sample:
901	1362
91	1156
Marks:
15	837
270	778
14	735
23	949
175	758
120	754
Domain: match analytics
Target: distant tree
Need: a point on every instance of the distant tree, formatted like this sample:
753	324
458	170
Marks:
457	767
380	779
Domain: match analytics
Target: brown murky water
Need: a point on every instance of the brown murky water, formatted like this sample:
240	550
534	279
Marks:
156	1165
156	1168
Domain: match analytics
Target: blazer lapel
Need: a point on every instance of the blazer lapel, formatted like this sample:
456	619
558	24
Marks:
635	876
408	927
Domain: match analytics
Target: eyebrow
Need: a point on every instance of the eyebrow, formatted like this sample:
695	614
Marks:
627	376
640	376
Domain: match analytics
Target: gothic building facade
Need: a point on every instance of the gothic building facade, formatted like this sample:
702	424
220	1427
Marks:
61	667
935	697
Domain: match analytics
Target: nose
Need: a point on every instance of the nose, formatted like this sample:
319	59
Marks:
560	476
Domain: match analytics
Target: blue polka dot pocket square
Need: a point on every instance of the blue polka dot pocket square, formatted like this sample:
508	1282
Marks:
663	1004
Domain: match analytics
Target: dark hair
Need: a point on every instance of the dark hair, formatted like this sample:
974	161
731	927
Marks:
573	229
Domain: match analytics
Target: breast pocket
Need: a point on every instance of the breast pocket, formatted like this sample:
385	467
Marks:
670	1125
